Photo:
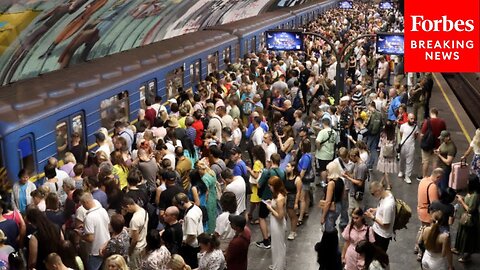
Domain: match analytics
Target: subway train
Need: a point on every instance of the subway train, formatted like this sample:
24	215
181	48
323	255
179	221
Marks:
39	115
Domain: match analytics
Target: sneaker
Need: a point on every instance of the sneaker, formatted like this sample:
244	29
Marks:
400	175
263	244
270	267
407	180
419	178
292	235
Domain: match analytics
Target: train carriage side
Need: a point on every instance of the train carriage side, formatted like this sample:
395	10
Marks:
309	11
40	115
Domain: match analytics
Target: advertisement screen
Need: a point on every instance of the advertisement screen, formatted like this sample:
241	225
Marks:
385	5
390	43
345	4
284	41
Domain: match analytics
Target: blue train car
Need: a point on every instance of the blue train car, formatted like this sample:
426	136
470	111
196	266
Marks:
38	116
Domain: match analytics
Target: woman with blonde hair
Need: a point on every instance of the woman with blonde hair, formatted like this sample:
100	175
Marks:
70	162
177	263
475	147
115	262
108	139
210	180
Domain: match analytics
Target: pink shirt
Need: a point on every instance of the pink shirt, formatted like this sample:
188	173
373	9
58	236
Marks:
353	260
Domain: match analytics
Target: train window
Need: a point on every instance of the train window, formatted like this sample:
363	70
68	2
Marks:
195	72
226	53
237	53
61	138
262	42
113	109
77	126
148	91
174	81
212	62
25	152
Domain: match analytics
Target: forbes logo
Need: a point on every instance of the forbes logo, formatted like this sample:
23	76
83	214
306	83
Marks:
441	25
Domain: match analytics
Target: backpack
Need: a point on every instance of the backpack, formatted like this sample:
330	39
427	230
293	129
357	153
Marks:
297	102
403	213
428	140
389	150
375	124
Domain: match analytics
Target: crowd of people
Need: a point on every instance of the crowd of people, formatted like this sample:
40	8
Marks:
183	186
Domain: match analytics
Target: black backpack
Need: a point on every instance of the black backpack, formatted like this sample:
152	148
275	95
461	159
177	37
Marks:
428	140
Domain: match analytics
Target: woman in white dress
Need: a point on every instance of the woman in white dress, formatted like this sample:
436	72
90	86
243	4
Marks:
278	224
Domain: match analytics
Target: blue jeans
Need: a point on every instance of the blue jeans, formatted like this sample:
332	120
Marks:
330	220
94	262
443	184
372	144
344	218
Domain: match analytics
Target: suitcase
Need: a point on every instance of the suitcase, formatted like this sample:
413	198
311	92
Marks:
459	175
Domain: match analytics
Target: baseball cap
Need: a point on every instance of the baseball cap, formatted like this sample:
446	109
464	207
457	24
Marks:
303	128
444	134
169	175
237	220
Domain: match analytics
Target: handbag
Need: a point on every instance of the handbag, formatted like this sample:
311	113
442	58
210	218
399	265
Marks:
466	219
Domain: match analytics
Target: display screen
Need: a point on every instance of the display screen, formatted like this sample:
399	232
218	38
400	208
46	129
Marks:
284	40
390	43
345	4
385	5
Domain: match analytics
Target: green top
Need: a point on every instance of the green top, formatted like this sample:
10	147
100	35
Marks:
263	182
326	137
446	149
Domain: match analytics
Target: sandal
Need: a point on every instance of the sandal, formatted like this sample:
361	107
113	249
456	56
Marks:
255	222
455	251
389	188
305	215
299	222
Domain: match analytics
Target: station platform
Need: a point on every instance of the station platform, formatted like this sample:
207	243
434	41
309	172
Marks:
300	252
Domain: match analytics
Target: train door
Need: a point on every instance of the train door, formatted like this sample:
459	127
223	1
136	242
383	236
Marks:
148	91
26	150
254	44
67	129
175	81
3	170
212	62
195	73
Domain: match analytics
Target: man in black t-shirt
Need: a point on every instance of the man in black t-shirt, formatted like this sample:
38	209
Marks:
168	194
172	235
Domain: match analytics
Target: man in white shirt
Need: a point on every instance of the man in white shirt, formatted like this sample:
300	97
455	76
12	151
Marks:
269	147
192	228
138	231
102	143
257	134
409	133
215	124
237	185
383	216
95	230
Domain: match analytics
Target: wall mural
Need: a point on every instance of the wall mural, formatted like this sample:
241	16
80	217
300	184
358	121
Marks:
38	36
